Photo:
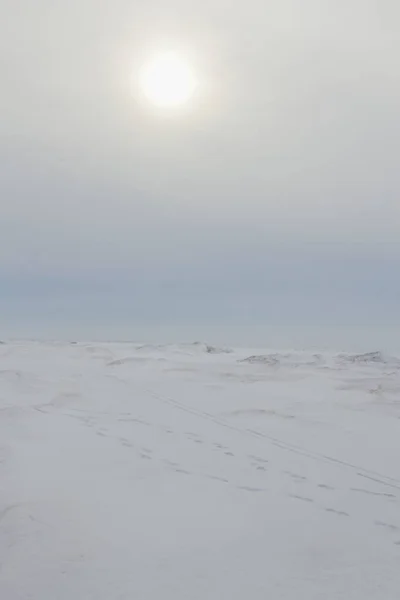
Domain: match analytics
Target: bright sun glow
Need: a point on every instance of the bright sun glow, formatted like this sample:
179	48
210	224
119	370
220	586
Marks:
168	81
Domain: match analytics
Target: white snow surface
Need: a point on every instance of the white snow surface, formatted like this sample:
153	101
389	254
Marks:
184	472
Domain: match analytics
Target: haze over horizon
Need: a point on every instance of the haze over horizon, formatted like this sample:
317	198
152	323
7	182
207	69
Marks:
272	204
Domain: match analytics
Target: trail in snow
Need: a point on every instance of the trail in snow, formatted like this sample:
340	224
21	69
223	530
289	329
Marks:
140	471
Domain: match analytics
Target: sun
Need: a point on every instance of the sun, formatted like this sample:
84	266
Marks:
168	81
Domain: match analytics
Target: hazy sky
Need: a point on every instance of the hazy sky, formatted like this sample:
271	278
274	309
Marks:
274	201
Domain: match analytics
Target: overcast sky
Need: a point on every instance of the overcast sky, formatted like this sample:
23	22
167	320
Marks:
274	201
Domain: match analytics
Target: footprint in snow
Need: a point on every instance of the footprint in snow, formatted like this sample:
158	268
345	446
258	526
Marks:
126	443
216	478
388	526
370	493
295	476
144	456
258	459
340	513
194	437
303	498
170	463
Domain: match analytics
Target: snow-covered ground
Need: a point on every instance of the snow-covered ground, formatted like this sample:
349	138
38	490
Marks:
188	472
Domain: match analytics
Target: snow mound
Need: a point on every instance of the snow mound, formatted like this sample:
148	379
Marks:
216	350
367	358
134	359
291	359
188	349
128	359
263	359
